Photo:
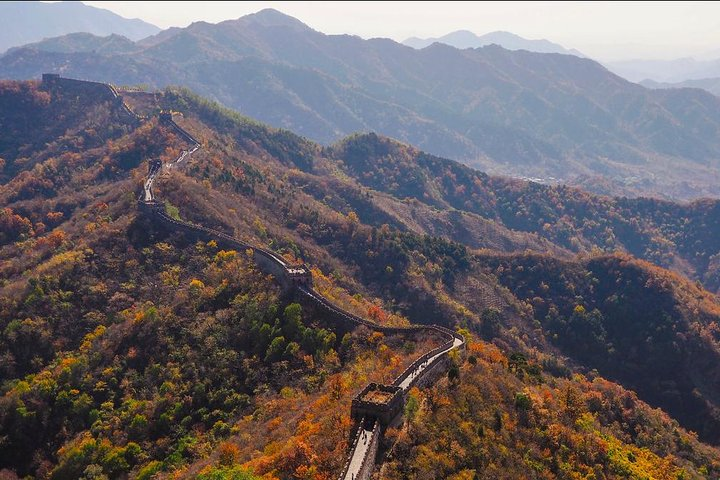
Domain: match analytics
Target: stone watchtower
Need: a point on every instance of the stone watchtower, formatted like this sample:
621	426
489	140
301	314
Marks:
300	275
383	402
166	117
50	78
154	165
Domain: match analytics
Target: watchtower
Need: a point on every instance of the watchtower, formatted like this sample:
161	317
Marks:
300	275
50	78
383	402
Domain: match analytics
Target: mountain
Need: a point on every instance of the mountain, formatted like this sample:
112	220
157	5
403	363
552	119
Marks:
711	85
666	71
665	233
133	349
26	22
463	39
558	118
83	42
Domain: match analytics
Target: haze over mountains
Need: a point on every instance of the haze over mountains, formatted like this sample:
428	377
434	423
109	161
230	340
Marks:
466	39
678	73
666	71
712	85
25	22
512	112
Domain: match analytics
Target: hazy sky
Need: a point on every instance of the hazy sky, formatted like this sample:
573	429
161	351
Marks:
604	30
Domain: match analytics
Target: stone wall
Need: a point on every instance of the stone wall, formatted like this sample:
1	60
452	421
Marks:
167	119
369	461
422	372
267	262
103	91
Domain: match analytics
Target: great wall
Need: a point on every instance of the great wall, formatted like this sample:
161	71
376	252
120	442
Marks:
376	406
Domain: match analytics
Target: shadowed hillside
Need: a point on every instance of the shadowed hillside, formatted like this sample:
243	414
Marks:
668	234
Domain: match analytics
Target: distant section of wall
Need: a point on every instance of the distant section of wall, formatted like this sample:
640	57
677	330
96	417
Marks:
167	119
88	88
385	404
79	87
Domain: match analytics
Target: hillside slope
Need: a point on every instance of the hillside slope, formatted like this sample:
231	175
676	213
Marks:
668	234
96	301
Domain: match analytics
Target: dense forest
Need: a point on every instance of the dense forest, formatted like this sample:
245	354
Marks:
665	233
130	351
505	420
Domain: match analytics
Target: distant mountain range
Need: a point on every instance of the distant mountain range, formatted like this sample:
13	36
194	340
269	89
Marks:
712	85
668	71
526	114
25	22
465	39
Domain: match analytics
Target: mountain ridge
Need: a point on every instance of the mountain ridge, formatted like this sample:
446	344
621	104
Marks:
711	85
463	39
26	22
518	113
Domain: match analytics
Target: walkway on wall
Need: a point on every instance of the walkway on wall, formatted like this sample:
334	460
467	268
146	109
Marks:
407	382
361	459
365	443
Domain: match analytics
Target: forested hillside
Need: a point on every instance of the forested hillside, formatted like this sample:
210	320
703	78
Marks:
668	234
129	350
